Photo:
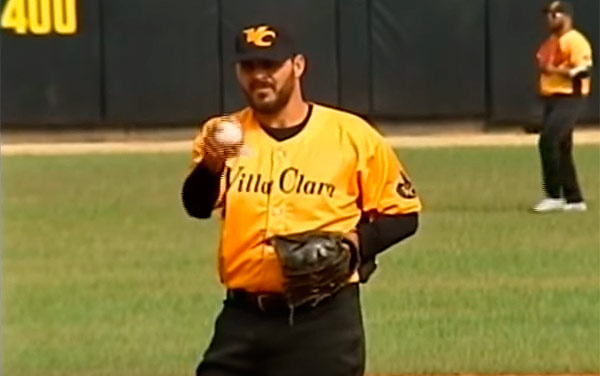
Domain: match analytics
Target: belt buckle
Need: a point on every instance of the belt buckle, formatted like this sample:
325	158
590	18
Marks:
260	302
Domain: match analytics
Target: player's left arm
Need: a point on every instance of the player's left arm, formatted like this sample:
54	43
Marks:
580	57
579	63
389	202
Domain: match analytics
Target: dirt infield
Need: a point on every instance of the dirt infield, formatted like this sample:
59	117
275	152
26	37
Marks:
584	136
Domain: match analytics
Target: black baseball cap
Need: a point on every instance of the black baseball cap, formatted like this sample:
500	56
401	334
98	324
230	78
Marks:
559	7
264	42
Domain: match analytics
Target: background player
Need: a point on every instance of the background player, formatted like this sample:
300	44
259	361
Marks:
565	60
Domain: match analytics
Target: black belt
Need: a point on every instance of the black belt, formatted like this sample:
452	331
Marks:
262	302
270	302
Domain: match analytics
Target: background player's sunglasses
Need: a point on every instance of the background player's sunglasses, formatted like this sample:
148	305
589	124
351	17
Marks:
555	14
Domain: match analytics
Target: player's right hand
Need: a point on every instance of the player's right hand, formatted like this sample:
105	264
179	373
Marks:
215	152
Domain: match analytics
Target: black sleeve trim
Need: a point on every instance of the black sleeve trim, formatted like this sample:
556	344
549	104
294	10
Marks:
385	231
200	192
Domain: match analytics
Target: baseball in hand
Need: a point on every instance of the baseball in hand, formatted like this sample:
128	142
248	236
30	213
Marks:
229	133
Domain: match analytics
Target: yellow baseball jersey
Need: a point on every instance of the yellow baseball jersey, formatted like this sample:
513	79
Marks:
570	50
323	178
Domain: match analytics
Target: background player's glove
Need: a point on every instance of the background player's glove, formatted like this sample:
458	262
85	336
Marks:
315	264
548	53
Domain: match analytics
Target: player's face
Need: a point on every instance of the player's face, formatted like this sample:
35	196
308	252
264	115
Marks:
555	20
267	84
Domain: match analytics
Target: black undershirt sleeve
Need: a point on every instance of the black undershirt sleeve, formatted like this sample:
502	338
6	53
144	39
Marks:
201	191
384	231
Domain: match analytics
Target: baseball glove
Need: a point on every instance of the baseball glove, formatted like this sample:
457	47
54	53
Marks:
549	52
316	264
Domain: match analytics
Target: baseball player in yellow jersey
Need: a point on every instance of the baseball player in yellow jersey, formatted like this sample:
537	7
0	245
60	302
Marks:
565	61
302	168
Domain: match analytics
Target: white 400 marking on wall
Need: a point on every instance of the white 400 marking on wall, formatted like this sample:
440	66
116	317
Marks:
40	16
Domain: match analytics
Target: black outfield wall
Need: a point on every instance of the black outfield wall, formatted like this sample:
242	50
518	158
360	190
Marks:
153	62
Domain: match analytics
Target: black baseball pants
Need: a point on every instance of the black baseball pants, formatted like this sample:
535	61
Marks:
260	340
556	144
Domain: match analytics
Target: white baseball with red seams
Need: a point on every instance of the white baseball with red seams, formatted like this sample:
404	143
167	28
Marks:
229	133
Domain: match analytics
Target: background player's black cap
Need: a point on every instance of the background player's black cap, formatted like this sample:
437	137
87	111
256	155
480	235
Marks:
264	42
559	7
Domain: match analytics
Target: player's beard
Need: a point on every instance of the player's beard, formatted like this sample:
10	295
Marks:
280	100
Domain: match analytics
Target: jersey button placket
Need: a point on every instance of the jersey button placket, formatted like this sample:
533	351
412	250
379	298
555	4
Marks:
277	202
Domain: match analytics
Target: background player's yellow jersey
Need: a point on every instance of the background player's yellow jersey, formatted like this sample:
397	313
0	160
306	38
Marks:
570	50
325	177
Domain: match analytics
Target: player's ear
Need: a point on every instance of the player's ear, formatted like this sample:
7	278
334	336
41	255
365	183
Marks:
299	65
238	71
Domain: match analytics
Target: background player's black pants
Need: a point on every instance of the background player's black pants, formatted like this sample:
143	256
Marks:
327	340
556	144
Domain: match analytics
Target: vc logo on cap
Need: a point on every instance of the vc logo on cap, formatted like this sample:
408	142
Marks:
260	36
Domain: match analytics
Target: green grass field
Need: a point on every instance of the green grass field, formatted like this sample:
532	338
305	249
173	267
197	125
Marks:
103	273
